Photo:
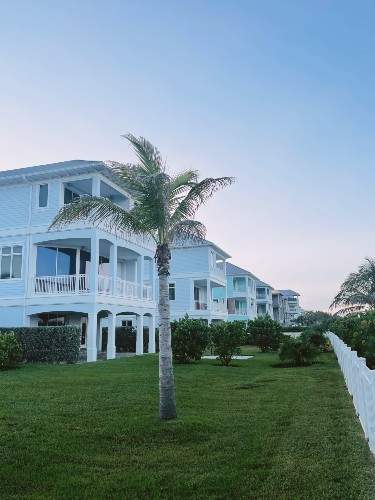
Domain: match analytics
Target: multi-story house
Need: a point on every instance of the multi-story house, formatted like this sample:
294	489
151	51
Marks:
292	308
197	283
78	275
286	306
278	306
264	299
241	292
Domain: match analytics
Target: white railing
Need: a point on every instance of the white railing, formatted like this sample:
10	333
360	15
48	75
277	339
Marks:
360	381
147	292
66	284
219	306
200	306
78	284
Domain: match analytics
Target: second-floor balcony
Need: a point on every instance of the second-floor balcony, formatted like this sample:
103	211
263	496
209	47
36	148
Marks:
78	284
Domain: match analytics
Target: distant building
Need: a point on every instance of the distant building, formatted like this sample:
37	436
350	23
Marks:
241	293
197	283
286	306
264	299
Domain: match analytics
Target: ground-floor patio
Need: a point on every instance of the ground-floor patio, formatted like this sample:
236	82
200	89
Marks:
93	320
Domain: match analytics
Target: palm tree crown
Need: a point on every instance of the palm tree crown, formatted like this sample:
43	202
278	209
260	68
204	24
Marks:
164	204
164	207
357	292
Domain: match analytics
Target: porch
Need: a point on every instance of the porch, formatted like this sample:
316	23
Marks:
79	266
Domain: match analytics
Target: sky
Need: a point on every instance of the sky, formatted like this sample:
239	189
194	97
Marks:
279	94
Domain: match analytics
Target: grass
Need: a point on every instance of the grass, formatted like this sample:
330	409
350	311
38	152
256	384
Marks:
247	431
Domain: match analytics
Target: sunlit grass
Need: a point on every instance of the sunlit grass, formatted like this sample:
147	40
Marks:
247	431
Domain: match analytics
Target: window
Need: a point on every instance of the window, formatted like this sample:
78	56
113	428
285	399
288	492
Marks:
196	293
127	323
43	196
55	261
11	262
172	291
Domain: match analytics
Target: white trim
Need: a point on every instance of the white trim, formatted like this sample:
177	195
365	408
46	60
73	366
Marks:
37	194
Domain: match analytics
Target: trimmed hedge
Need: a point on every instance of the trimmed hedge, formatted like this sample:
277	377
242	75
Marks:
48	344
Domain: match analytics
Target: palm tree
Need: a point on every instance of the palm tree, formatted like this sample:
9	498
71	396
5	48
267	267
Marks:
164	207
357	293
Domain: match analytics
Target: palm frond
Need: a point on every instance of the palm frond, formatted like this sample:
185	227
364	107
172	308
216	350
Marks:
198	194
101	212
186	230
148	155
358	290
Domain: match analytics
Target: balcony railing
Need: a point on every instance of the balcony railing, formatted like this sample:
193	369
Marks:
61	285
219	306
79	284
200	306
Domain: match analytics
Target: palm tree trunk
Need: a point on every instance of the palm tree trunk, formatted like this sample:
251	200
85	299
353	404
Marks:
167	403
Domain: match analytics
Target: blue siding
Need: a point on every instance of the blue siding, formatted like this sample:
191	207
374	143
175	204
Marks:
189	260
11	316
44	216
14	206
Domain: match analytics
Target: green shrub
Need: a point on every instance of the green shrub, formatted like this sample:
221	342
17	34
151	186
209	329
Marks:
189	339
10	351
315	337
226	339
298	352
265	333
48	344
358	332
293	329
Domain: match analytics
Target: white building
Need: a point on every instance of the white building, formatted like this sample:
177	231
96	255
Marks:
197	284
264	299
241	292
79	275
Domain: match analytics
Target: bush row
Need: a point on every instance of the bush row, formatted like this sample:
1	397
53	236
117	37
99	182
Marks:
358	332
191	337
42	344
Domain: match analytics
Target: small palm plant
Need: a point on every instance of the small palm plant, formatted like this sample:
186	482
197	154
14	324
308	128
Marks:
357	292
164	207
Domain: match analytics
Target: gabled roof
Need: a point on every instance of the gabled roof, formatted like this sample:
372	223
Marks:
289	293
199	243
261	283
232	270
55	170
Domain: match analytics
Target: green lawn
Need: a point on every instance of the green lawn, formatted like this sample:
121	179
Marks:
248	431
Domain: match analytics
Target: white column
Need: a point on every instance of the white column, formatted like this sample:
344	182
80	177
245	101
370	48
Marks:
140	274
91	337
99	335
208	294
111	343
94	265
113	266
139	342
78	260
151	334
153	278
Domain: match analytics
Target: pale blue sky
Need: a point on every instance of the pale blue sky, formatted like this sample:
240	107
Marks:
278	93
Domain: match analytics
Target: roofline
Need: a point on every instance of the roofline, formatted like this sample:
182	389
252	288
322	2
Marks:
204	243
68	168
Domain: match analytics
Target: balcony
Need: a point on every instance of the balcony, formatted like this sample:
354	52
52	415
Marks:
219	306
78	284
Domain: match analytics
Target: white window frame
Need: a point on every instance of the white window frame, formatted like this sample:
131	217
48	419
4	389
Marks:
174	288
12	245
37	195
